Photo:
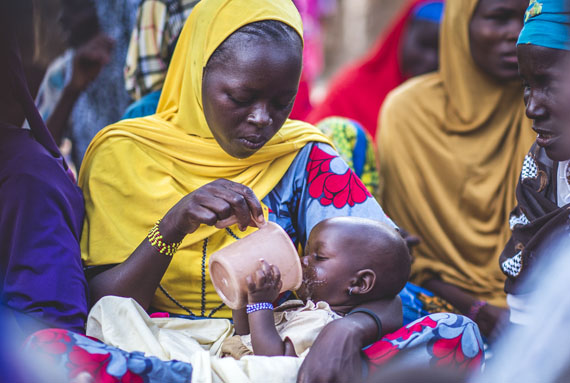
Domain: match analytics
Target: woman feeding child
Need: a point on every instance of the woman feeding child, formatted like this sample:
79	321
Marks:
219	151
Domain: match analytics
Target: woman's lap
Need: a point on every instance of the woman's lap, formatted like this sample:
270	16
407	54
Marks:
438	339
74	355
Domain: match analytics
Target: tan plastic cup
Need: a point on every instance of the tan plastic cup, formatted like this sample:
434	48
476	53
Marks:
231	265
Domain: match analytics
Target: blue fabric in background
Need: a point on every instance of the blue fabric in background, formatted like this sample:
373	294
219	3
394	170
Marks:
547	24
429	11
144	107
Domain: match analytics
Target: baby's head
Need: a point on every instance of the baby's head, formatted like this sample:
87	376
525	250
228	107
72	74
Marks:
349	261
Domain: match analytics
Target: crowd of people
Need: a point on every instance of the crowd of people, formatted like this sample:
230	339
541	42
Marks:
428	193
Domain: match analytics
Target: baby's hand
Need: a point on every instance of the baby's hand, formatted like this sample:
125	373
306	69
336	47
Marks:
264	284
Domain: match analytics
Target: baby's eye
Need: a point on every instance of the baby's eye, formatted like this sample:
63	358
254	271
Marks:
319	257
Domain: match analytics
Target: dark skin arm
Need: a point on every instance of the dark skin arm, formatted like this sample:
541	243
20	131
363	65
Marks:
88	62
241	325
221	203
264	286
488	317
336	354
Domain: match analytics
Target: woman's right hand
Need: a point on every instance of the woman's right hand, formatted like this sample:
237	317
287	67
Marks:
220	203
89	60
491	320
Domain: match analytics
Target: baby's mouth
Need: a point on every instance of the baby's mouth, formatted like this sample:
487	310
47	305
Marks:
310	281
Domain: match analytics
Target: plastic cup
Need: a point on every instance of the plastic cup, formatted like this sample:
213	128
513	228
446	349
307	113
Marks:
231	265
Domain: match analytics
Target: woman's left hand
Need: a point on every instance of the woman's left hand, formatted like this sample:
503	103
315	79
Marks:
490	319
336	354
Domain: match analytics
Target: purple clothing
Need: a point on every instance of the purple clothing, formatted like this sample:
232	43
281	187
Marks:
41	216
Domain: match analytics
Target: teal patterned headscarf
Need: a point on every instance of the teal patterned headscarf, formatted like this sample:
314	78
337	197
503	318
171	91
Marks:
547	24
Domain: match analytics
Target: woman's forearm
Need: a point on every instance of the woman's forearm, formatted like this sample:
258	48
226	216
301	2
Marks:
453	294
59	118
484	314
390	313
138	277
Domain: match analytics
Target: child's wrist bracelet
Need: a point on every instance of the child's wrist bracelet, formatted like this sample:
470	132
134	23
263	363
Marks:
257	307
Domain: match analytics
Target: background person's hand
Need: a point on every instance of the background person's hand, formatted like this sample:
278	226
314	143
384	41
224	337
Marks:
89	60
264	284
489	319
220	203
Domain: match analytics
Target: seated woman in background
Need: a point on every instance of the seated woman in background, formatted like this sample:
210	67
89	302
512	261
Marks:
451	146
41	208
543	192
408	49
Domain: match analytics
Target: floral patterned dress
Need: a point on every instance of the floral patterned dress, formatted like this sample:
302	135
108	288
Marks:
319	184
435	340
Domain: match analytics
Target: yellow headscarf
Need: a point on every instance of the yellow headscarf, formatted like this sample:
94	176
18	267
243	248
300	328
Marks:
134	171
451	147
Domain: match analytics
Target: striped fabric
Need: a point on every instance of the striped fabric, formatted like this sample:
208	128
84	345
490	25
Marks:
159	22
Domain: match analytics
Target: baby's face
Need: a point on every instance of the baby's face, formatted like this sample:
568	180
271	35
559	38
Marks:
326	266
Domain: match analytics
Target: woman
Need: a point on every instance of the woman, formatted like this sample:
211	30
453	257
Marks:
41	208
450	150
543	191
408	49
224	131
220	141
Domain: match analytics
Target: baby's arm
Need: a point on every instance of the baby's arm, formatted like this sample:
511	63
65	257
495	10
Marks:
263	287
241	326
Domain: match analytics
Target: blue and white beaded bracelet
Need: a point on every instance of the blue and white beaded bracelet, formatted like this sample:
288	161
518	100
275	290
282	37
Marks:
258	306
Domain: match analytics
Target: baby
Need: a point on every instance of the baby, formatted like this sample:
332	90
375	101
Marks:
348	262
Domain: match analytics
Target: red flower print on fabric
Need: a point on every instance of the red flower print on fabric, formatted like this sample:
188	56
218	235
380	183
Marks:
81	362
52	342
332	188
449	353
386	348
406	332
380	352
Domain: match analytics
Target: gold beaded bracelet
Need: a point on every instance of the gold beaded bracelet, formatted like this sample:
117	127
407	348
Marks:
155	239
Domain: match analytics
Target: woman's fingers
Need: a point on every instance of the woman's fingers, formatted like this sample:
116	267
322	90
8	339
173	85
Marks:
221	203
253	205
226	222
242	203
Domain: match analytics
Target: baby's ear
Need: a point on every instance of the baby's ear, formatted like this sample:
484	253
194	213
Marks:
365	281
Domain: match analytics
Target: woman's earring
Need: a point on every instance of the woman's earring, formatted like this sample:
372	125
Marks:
350	291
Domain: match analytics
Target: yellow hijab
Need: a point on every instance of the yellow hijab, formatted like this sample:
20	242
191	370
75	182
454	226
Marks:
135	170
451	146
